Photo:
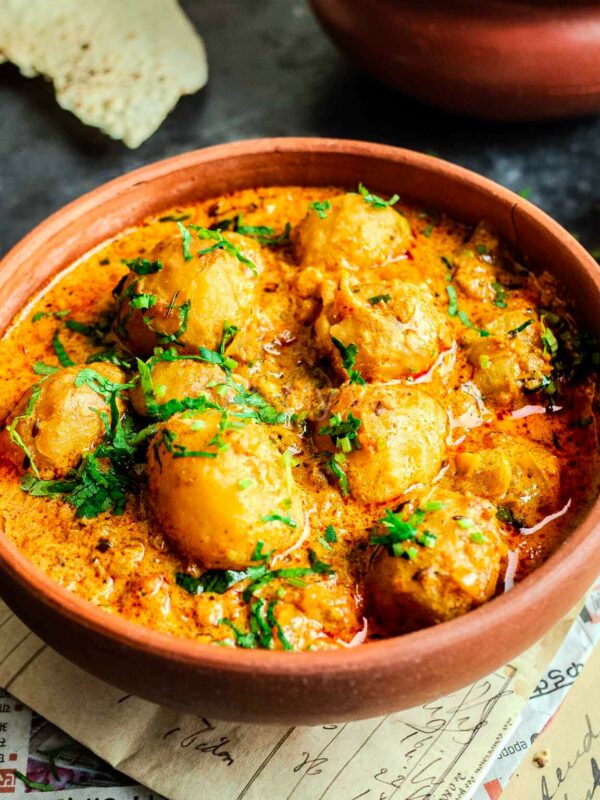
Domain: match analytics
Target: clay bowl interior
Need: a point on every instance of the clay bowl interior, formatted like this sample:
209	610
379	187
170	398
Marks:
315	687
501	59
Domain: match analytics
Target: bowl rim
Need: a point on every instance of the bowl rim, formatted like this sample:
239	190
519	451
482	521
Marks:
558	570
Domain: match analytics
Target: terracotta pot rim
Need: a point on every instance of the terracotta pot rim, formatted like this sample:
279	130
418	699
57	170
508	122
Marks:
582	546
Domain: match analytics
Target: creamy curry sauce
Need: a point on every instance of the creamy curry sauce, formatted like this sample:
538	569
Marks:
392	522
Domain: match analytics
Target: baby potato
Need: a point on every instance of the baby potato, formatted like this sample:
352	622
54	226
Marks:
511	360
477	262
512	472
57	420
396	326
450	565
399	441
176	380
349	232
218	487
317	616
186	302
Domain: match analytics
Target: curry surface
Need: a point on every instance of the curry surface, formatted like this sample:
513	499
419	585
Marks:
125	565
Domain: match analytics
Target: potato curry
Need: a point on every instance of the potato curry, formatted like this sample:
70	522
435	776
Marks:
296	418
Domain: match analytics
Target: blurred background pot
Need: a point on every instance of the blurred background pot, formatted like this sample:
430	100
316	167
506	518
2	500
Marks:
496	59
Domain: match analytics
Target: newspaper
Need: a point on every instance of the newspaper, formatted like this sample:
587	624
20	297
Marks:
464	745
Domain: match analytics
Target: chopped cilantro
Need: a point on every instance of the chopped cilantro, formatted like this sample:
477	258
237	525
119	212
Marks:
274	623
402	534
245	483
61	353
259	554
505	514
482	249
380	298
320	207
264	234
515	331
174	218
434	505
343	432
348	355
477	537
330	534
500	292
186	241
285	519
222	244
335	464
143	301
55	314
549	342
261	627
101	385
376	201
464	522
454	311
44	369
452	300
169	440
142	266
214	581
468	324
92	331
319	566
246	640
427	231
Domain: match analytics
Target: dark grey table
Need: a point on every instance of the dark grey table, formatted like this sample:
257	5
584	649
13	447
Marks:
274	73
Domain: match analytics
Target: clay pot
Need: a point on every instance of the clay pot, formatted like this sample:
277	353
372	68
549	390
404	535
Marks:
308	687
497	59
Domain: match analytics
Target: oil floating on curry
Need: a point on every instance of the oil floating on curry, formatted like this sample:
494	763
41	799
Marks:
298	419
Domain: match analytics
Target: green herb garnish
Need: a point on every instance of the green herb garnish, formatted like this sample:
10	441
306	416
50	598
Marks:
452	300
44	369
214	581
500	292
379	298
169	440
376	201
285	519
468	324
142	266
222	244
320	207
335	465
477	537
330	534
319	566
348	355
174	218
61	353
186	241
505	514
54	314
515	331
343	432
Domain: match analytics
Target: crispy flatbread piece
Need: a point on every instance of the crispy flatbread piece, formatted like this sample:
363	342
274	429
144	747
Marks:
120	65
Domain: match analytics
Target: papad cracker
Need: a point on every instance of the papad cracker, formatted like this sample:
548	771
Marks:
119	65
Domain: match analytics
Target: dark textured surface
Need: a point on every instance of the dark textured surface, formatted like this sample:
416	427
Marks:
273	73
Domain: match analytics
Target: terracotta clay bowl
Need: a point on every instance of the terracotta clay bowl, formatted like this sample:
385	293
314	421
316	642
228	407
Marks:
314	687
498	59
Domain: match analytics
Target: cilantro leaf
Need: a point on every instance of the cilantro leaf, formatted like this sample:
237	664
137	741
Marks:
376	201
